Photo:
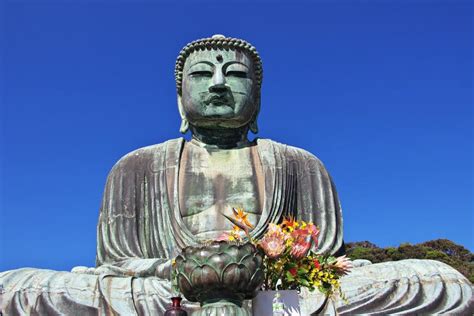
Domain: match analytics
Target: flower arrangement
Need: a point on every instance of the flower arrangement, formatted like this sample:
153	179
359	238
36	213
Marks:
289	259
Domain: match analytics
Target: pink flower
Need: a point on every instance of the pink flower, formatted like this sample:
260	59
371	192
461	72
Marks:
300	233
304	238
300	248
273	245
275	230
314	232
223	237
343	264
301	242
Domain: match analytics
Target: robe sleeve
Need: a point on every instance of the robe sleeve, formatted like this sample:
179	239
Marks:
317	200
124	203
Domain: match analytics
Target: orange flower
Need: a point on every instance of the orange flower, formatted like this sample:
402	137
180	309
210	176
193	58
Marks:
238	225
241	216
289	223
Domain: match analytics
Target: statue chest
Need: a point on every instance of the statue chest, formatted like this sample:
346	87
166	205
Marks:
211	182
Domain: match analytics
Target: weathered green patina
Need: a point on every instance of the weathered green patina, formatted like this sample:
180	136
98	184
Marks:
219	102
220	274
162	198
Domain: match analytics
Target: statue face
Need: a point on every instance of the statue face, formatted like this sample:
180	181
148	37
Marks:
219	89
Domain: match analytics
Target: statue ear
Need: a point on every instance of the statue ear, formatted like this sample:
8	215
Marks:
184	122
253	126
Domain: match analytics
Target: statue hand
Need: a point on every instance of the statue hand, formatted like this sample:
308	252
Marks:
104	269
163	270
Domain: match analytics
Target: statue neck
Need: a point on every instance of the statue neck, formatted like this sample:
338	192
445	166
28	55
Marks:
224	138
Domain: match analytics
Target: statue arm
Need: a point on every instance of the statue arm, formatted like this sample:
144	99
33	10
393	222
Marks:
124	245
137	267
318	202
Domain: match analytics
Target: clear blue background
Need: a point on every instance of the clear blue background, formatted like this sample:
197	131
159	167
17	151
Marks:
380	91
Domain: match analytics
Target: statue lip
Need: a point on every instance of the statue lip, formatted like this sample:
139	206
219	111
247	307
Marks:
218	99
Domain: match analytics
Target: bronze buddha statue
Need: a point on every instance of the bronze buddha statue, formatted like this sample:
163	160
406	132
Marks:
161	198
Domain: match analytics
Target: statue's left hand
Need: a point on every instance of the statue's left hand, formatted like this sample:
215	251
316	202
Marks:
104	269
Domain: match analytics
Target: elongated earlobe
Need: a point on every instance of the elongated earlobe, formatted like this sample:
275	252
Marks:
254	126
184	126
184	122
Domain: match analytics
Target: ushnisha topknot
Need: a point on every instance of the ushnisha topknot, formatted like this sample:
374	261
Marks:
217	42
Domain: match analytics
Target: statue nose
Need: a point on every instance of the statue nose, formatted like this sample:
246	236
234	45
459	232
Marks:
218	82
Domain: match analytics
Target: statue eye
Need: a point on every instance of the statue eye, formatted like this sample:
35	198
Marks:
201	73
237	70
236	73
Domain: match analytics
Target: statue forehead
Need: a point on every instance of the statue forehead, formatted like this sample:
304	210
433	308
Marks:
217	56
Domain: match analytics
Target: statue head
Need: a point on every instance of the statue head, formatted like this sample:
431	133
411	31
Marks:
218	80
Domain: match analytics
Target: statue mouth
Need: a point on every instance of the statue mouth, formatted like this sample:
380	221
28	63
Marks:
218	100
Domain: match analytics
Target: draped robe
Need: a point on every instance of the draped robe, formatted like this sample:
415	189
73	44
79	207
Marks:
140	229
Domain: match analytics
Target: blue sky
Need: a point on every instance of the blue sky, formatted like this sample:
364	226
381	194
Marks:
380	91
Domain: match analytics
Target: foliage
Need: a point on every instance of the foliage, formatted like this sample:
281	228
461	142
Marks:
312	271
442	250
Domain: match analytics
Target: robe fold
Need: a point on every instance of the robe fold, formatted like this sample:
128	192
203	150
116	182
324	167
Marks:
140	216
140	229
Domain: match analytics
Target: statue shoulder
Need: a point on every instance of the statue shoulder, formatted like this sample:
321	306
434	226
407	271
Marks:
142	157
292	153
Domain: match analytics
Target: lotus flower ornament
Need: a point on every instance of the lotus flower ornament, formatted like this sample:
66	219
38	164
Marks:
220	275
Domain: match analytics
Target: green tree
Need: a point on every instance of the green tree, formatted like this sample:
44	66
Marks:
443	250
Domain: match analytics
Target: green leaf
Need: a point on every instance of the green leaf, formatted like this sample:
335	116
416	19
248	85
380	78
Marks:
290	265
289	277
305	282
302	271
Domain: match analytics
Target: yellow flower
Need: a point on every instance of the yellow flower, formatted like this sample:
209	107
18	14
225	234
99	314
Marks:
279	266
173	262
